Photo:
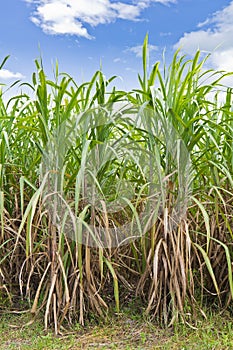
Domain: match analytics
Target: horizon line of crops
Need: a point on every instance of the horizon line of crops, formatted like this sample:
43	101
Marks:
168	144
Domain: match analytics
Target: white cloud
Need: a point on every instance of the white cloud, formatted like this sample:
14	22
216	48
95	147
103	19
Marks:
72	16
163	2
118	59
130	69
137	50
6	74
215	36
165	33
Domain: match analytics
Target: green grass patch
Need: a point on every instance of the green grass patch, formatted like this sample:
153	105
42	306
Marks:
123	332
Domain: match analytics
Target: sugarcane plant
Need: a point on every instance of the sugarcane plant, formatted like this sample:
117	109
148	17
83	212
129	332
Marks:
109	195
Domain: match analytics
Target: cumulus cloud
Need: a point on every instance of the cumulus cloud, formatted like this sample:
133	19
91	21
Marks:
215	35
72	16
7	74
137	50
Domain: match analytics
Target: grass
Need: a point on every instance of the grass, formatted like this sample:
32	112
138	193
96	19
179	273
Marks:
109	195
126	332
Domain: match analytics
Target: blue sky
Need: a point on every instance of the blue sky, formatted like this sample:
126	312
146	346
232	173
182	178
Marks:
82	33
